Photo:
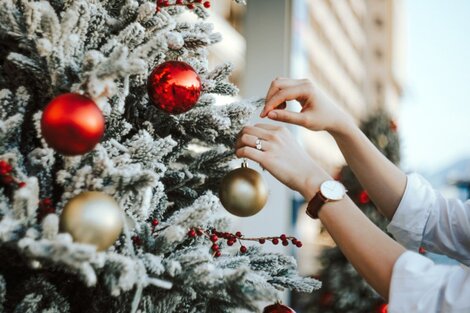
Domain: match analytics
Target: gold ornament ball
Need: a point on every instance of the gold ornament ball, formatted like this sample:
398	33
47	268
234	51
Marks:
92	217
243	192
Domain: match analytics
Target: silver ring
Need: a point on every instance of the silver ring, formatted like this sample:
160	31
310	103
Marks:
258	144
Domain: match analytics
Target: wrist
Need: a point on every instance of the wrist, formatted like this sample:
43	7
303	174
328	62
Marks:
343	128
312	185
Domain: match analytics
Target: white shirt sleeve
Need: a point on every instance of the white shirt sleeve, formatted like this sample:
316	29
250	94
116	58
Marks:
425	218
420	286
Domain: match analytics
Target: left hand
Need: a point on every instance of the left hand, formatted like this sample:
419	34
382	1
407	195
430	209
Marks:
282	156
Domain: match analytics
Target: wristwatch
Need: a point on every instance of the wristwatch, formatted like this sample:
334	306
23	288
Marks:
330	190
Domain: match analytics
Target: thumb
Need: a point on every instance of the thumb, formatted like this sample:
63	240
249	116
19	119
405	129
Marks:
288	117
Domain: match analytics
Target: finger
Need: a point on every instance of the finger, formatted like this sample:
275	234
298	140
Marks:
266	126
277	85
255	131
274	86
252	141
287	117
297	92
250	153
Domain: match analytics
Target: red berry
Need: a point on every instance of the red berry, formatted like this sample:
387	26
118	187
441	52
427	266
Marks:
215	247
299	244
5	168
238	234
192	233
243	249
21	184
422	250
230	243
285	243
207	4
155	222
179	1
136	240
294	241
190	6
283	237
166	3
7	179
217	254
364	197
262	240
214	238
47	201
275	241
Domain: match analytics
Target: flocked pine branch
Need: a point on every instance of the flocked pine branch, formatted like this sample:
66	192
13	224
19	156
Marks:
146	160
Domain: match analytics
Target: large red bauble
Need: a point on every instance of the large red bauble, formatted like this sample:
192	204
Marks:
72	124
174	87
277	308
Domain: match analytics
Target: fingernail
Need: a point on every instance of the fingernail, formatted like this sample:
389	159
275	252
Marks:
272	114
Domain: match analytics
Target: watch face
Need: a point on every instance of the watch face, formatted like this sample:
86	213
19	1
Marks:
332	190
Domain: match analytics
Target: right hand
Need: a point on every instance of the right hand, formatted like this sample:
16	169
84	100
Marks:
318	111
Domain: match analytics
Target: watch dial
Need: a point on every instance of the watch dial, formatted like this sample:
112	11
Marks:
332	190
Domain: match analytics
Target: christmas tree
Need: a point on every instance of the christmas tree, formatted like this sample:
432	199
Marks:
343	289
108	195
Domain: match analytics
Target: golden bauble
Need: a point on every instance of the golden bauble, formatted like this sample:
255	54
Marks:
93	217
243	192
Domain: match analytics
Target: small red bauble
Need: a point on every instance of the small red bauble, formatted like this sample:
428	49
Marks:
278	308
174	87
72	124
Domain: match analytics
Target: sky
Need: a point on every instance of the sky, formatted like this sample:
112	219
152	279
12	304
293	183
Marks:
435	111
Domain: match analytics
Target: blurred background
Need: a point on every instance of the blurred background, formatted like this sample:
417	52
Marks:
407	57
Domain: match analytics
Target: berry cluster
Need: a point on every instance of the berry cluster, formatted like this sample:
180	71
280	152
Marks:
137	240
6	177
190	4
214	236
45	207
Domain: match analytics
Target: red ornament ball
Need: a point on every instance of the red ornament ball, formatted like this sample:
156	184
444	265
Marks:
72	124
174	87
278	308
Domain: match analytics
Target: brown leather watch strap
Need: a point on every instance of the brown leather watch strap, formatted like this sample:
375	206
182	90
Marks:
315	205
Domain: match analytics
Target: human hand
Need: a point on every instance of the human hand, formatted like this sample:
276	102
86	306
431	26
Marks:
282	156
318	111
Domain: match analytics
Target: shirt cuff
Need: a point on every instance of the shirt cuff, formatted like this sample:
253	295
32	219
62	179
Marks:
415	284
409	221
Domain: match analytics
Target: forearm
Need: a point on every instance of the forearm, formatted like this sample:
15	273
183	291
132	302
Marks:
383	180
369	250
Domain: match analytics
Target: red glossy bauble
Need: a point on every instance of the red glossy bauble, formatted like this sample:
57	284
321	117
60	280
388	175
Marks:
72	124
277	308
174	87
